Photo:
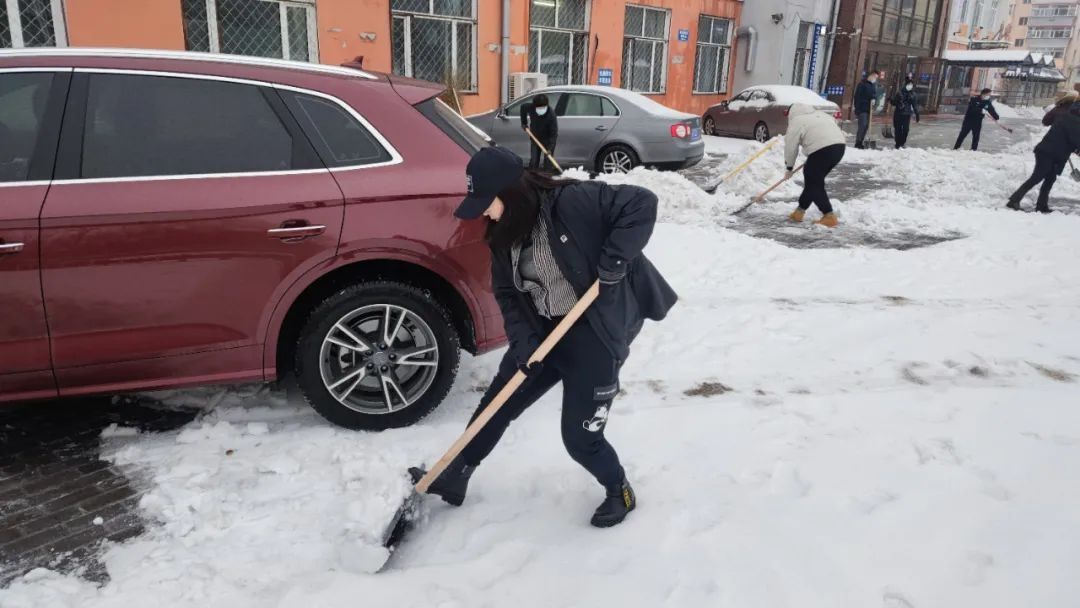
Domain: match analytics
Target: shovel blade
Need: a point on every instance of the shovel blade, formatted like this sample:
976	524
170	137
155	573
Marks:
402	522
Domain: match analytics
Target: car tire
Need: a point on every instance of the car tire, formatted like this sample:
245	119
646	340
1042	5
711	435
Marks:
761	132
708	125
617	159
378	389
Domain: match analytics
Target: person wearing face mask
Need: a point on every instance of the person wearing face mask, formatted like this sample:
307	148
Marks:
978	107
1051	156
865	95
550	240
905	105
539	118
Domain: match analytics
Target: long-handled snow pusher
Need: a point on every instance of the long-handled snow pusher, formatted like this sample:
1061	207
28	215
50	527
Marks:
542	148
711	188
998	123
402	519
761	197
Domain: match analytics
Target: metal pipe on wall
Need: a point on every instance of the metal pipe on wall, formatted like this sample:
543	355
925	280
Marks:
504	47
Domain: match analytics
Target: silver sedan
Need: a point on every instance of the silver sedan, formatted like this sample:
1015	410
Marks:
604	129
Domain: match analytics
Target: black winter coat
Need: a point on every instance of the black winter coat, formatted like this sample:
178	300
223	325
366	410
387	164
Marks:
1062	140
545	128
865	94
975	110
593	228
905	103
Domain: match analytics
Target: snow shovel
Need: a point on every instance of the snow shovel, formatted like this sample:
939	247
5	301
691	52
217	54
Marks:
400	523
546	153
761	197
886	132
711	188
998	123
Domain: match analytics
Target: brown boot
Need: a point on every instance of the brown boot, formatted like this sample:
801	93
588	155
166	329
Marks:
829	219
797	215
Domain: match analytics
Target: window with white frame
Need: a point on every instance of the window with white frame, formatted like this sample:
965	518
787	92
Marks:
645	34
559	40
30	23
713	55
435	40
257	28
804	45
1050	32
1055	10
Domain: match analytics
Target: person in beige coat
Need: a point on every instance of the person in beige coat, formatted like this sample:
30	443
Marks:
821	139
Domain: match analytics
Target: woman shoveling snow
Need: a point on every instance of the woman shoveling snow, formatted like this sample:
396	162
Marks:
823	143
550	240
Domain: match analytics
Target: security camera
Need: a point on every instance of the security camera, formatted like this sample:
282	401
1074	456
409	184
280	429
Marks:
777	17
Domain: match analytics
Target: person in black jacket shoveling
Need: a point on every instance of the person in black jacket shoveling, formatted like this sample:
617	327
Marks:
1051	155
539	118
550	241
865	94
905	105
979	106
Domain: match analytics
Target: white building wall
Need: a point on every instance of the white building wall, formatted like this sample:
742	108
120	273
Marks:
774	62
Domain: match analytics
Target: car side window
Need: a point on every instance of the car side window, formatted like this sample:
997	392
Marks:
22	107
744	96
579	104
160	126
759	95
339	138
514	109
610	109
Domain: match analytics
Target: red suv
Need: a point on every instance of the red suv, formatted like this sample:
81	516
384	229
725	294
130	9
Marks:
176	219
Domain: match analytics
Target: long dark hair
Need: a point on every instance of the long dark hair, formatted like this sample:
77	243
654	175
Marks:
521	208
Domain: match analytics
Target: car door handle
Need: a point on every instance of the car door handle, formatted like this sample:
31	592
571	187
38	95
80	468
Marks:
7	248
601	128
292	234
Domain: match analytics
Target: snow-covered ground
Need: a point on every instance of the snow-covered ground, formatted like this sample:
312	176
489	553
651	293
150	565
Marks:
828	427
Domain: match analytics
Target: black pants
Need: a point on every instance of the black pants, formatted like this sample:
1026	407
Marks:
590	379
1046	171
864	126
975	128
901	128
818	166
537	158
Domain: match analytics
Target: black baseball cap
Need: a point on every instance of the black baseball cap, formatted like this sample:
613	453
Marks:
489	171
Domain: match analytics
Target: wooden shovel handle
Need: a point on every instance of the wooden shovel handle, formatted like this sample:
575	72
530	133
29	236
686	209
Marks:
546	153
761	196
750	160
511	387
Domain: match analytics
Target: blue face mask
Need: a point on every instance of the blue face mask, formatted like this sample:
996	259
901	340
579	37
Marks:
541	110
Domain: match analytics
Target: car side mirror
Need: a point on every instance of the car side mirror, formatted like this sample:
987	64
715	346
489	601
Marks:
724	104
503	114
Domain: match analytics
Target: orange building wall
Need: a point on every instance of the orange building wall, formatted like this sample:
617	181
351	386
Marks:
351	28
148	24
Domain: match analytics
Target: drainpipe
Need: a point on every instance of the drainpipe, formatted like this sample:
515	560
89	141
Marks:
831	33
504	70
750	33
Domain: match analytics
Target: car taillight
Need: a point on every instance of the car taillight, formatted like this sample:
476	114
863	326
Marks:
787	111
838	115
681	130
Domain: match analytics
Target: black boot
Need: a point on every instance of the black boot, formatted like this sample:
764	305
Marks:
1044	209
451	484
1014	205
620	500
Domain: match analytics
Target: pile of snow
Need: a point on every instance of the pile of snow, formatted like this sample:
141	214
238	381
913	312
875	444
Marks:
832	427
1025	112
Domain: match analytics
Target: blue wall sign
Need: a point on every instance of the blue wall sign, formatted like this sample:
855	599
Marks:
834	89
604	76
684	35
819	32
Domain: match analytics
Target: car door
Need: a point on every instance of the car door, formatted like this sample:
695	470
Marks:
507	130
756	111
586	121
728	117
31	104
182	207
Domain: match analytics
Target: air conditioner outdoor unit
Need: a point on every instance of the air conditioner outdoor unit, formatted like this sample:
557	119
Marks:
523	83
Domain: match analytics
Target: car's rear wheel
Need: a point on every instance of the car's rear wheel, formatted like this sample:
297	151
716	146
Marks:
761	132
709	125
617	159
377	355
